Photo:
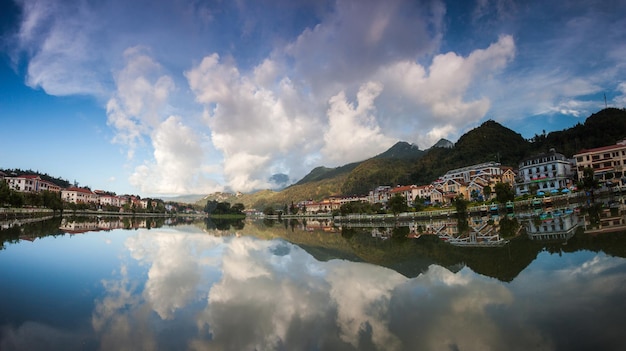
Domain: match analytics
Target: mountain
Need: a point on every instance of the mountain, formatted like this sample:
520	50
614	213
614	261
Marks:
444	143
185	199
402	150
605	127
321	173
404	163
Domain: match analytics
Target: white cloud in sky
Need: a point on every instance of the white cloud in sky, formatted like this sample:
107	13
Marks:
337	83
353	133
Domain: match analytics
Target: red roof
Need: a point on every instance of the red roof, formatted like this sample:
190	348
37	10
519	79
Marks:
79	190
599	149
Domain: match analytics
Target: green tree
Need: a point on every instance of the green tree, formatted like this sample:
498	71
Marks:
504	192
16	199
487	192
293	209
222	208
210	206
52	200
589	182
238	208
533	188
397	204
5	193
269	211
460	204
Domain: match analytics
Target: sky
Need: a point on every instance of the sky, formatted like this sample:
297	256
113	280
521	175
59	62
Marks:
161	98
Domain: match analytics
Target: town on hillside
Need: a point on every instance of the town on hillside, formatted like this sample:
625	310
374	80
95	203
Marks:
540	175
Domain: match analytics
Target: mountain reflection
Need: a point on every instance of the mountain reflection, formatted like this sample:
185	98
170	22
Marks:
243	293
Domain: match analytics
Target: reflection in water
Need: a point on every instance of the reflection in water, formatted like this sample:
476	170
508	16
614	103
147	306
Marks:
242	293
293	285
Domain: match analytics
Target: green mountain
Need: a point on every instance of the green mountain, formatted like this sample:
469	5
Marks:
404	163
402	150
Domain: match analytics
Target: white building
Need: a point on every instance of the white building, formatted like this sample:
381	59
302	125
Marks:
79	195
548	172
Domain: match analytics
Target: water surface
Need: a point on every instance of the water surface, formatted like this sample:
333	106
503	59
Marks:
282	286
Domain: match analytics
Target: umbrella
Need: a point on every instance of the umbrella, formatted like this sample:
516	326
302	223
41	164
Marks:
554	191
540	193
565	191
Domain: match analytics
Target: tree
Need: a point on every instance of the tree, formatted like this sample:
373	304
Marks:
487	192
237	208
222	208
533	188
460	204
589	182
52	200
268	211
293	209
397	204
210	206
5	192
504	192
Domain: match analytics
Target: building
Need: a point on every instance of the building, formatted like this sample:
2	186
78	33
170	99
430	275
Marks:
548	172
471	180
608	163
379	195
77	195
24	183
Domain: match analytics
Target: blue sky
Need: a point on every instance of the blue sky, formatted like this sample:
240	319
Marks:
179	97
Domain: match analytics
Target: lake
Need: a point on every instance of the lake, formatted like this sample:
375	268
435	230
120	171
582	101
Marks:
148	284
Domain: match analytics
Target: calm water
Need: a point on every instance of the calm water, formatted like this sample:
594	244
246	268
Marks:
291	286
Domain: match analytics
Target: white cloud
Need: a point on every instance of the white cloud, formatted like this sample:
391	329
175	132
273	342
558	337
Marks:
353	134
179	162
255	127
620	100
437	94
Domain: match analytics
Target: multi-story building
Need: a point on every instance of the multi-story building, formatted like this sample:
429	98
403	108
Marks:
466	174
31	183
546	172
24	183
379	195
608	163
79	195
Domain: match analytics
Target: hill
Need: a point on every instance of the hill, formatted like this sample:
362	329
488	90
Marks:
404	163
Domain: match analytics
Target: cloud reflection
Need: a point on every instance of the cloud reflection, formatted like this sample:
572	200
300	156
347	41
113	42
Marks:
241	293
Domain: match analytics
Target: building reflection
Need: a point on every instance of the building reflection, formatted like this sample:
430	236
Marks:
94	224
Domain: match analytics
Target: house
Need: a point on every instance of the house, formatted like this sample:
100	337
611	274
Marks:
408	192
450	189
545	172
379	195
78	195
109	200
324	206
25	183
608	163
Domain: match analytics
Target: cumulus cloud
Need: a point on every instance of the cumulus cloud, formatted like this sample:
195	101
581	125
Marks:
138	111
178	166
438	94
254	126
353	133
64	58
